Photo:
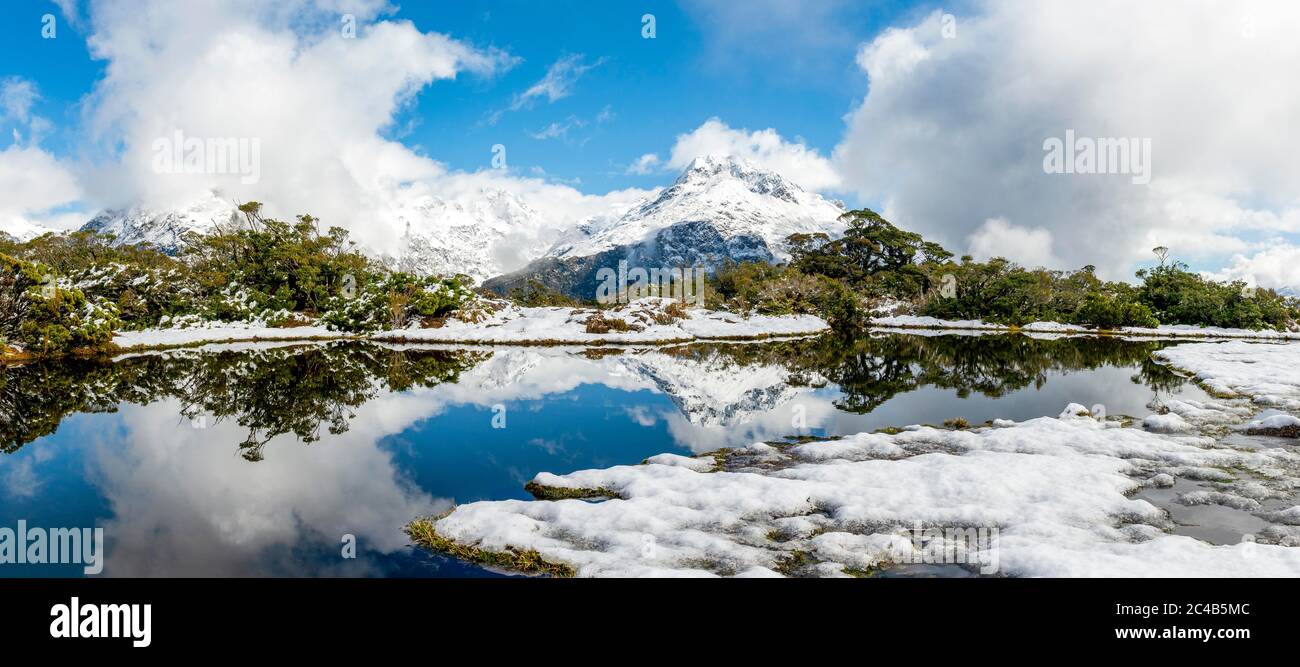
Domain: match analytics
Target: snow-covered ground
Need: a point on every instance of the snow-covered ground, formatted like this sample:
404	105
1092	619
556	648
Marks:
1268	374
1057	491
646	321
1172	331
1054	496
513	324
219	332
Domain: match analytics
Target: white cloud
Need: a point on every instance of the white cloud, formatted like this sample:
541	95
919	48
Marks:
950	132
1030	247
1276	267
644	165
321	106
17	97
281	74
765	148
559	80
557	84
32	183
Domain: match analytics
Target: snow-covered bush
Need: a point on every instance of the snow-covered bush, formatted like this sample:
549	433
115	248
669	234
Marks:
142	295
47	316
397	301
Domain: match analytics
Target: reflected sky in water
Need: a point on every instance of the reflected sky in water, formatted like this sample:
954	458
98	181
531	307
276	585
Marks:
257	462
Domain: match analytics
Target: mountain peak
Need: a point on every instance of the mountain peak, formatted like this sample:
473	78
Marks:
164	228
707	170
719	164
742	202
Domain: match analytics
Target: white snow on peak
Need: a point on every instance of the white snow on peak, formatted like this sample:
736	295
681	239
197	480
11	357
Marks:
734	195
25	230
481	234
165	228
488	231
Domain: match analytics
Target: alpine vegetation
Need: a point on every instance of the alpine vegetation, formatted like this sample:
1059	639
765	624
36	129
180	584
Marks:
684	284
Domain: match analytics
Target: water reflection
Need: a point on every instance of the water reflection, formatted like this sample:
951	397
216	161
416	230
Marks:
193	461
270	391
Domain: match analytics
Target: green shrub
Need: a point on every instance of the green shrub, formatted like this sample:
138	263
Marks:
46	317
397	301
1177	296
275	267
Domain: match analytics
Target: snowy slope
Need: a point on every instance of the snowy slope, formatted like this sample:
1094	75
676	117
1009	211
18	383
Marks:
19	229
719	208
481	234
161	227
735	197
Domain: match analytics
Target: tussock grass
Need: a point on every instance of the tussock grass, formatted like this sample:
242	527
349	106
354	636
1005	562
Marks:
527	561
563	493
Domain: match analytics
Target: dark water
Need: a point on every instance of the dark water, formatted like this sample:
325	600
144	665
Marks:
261	461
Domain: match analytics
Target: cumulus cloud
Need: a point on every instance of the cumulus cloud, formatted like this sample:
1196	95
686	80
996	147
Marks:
644	165
999	238
766	148
1277	267
317	103
951	131
33	184
32	181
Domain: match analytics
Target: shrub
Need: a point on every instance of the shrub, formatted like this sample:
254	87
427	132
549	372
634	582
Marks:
142	295
397	301
274	266
45	317
535	294
1177	296
598	323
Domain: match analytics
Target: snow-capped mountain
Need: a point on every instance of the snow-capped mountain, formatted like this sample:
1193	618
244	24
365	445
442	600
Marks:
709	387
735	197
22	230
482	234
164	228
720	208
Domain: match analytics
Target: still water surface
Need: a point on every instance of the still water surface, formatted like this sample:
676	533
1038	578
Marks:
257	461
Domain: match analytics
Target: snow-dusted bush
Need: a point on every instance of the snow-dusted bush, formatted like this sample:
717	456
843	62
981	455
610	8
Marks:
47	316
397	301
142	295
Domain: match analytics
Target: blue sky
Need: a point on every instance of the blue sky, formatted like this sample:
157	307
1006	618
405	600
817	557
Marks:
640	95
935	114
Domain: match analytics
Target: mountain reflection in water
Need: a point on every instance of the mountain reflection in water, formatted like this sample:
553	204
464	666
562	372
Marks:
194	461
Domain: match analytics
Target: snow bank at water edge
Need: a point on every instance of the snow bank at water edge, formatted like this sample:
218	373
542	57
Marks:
648	320
641	322
220	332
1173	331
1053	495
1268	374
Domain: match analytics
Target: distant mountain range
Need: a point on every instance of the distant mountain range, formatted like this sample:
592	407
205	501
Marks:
720	208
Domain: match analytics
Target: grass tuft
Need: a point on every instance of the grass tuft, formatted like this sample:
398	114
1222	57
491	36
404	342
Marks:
563	493
528	561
